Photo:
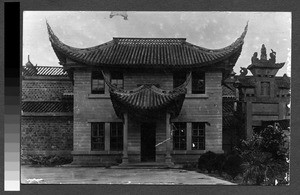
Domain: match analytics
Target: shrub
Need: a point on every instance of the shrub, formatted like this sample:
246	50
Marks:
206	161
265	157
50	160
232	165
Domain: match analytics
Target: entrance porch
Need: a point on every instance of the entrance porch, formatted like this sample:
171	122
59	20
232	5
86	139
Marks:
146	141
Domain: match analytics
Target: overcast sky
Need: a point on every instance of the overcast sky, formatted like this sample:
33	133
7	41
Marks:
211	30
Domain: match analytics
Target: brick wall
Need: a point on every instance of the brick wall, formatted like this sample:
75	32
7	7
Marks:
46	135
44	90
46	131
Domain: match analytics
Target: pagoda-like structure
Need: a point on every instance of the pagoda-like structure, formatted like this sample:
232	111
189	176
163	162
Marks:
146	99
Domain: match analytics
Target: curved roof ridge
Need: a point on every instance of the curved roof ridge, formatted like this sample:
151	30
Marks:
236	43
54	39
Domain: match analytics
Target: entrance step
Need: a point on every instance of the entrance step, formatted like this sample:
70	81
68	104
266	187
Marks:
147	165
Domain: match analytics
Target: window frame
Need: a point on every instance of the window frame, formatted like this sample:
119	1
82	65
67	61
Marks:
117	79
97	76
118	145
178	143
196	137
196	76
100	128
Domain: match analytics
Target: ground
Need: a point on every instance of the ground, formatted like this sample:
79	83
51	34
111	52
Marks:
101	175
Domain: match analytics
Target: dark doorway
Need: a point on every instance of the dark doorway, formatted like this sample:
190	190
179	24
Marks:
148	142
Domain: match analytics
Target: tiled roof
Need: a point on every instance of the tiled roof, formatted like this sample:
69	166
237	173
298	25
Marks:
228	90
147	100
42	107
43	71
228	121
228	107
283	82
247	81
148	52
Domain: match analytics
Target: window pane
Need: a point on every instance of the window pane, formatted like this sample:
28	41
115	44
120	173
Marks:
198	136
116	136
97	136
198	83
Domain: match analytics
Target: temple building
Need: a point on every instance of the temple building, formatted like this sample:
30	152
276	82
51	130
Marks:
136	99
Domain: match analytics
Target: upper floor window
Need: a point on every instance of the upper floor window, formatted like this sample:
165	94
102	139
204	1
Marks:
198	82
117	79
265	88
179	136
198	136
98	84
116	136
97	136
178	78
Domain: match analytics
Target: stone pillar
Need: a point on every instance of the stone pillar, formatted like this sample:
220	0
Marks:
125	139
107	137
189	136
249	130
168	137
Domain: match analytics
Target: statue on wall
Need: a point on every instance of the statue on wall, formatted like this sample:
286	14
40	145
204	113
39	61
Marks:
254	58
243	71
272	56
263	54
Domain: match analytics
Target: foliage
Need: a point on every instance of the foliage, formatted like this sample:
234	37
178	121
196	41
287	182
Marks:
43	160
232	165
265	157
206	160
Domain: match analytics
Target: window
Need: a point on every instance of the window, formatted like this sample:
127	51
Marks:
178	79
97	136
198	82
117	79
265	88
97	83
179	136
116	136
198	136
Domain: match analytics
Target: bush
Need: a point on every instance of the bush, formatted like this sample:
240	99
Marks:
232	165
265	157
205	162
43	160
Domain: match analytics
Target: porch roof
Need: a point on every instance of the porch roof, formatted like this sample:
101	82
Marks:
147	100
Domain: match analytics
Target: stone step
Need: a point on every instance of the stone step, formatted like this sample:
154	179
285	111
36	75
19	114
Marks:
147	165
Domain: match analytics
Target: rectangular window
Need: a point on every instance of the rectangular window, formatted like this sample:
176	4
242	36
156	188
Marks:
117	79
97	136
178	78
198	83
265	88
116	136
98	84
198	136
179	136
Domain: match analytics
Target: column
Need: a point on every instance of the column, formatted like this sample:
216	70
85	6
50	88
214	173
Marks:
125	139
249	130
107	137
168	137
189	136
